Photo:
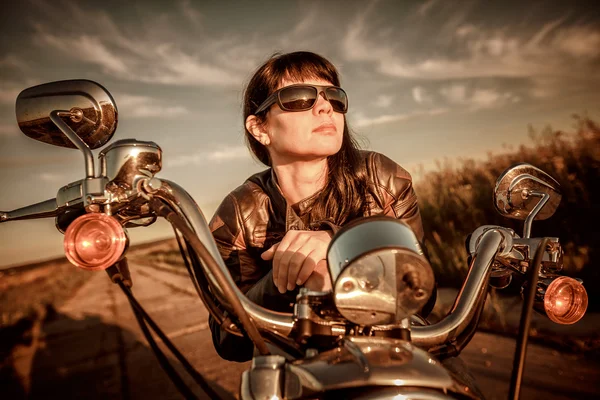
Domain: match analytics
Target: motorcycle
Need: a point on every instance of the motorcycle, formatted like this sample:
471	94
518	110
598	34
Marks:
363	339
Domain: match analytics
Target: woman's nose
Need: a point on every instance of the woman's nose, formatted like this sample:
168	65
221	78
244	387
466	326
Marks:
323	105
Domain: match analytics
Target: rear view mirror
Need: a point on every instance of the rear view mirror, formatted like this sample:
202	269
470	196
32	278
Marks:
518	189
90	112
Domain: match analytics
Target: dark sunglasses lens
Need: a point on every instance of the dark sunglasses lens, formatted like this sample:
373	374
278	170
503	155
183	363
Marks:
338	99
298	98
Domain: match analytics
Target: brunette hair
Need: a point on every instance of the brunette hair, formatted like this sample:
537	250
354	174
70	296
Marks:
344	195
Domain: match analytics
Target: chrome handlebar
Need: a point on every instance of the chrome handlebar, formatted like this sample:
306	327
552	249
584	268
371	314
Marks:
470	297
472	294
181	201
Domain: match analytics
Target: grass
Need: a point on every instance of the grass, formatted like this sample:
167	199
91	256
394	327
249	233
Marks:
456	198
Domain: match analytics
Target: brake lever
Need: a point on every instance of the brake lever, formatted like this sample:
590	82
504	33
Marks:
44	209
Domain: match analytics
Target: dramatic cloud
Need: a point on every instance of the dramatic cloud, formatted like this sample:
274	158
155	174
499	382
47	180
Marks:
477	51
151	58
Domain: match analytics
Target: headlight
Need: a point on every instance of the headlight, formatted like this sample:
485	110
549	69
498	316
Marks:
378	271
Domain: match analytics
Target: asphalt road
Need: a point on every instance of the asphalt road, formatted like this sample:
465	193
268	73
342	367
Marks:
92	348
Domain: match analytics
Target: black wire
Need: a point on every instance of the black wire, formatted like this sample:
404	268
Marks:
199	280
199	379
162	359
521	349
165	211
186	255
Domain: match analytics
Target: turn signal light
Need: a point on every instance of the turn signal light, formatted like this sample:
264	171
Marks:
565	300
95	241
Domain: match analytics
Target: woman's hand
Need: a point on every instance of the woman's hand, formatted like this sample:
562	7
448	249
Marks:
300	258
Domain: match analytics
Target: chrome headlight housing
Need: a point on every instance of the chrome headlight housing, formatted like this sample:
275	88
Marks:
378	271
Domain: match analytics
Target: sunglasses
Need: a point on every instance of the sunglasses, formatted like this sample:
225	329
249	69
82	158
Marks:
303	97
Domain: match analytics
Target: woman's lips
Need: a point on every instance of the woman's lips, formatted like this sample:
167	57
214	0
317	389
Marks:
325	128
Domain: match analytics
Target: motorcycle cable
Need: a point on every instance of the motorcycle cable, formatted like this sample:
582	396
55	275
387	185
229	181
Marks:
201	284
198	280
198	247
143	318
527	311
162	359
225	322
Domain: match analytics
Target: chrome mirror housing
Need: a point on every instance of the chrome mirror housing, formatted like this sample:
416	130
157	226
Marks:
378	270
527	193
124	162
86	107
516	189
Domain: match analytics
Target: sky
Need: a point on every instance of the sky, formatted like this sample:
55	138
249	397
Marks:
427	80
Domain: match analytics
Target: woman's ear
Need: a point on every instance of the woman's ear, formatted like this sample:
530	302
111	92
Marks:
257	130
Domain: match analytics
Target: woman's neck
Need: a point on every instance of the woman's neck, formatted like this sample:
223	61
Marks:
301	179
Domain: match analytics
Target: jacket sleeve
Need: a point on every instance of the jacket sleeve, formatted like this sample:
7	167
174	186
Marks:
395	189
227	229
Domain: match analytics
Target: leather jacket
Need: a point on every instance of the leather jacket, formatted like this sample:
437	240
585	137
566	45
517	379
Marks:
255	216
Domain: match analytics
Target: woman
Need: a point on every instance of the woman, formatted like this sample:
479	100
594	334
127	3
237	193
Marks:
273	230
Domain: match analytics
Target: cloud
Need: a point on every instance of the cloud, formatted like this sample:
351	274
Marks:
231	153
426	6
362	121
8	95
157	51
10	89
158	111
147	107
420	95
216	156
51	177
455	93
579	41
13	61
469	51
189	12
478	98
383	101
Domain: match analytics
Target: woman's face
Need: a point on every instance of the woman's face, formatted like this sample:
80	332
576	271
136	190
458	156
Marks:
304	135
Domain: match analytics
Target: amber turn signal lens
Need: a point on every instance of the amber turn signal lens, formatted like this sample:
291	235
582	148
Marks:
565	301
95	241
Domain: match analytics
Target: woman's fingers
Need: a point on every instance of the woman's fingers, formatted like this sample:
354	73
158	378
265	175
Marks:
290	244
296	264
319	280
307	268
268	255
296	257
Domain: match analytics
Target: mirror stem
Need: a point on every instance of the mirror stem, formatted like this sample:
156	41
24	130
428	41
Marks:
76	140
529	220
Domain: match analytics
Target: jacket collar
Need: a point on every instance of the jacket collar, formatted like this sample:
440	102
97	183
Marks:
300	208
267	181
